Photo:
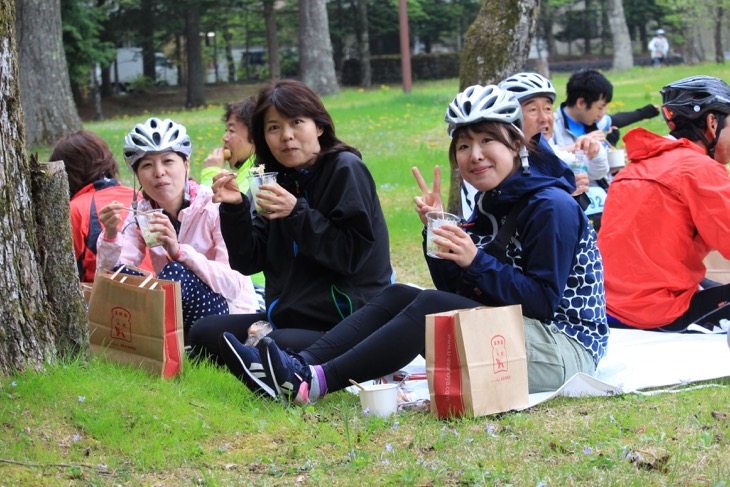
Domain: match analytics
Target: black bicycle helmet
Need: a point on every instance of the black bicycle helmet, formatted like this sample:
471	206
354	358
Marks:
692	99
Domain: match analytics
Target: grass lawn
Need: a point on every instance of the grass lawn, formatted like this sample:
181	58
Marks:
94	423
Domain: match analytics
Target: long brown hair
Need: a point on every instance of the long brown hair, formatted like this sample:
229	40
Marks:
87	158
293	98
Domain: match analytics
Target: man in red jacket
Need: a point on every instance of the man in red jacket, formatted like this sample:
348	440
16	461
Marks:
667	209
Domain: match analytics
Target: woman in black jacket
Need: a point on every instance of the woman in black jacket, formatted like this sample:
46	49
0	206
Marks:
321	242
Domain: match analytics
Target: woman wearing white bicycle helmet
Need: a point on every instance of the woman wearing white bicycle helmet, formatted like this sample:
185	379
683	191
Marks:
544	257
184	224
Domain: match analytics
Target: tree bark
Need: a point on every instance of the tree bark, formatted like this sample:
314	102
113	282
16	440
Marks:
30	333
623	56
496	46
272	40
316	65
55	244
196	70
50	112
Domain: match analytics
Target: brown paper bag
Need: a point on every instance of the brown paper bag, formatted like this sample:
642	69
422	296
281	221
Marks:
137	320
476	361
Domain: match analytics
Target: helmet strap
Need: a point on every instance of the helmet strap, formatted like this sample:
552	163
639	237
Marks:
720	125
524	159
186	192
710	144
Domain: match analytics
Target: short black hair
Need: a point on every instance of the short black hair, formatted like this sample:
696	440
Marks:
243	110
590	85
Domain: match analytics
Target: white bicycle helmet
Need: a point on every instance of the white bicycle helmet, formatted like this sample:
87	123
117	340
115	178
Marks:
486	104
483	103
155	135
527	85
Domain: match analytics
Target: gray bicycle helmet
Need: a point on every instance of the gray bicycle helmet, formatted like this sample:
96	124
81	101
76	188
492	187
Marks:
483	103
155	135
528	85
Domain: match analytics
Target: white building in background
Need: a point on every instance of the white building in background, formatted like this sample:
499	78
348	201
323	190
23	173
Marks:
128	67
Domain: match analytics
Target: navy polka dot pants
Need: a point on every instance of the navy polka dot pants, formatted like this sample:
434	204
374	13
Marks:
198	299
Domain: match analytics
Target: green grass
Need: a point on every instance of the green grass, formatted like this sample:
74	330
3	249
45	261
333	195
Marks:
94	423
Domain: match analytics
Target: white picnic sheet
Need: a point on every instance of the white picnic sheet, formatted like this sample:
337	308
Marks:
636	360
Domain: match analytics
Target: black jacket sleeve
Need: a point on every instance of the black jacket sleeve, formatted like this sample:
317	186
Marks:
622	119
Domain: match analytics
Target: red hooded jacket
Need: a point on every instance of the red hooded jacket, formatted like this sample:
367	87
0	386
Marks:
664	212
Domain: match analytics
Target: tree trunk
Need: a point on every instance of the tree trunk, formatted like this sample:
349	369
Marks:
363	39
36	326
623	56
586	18
272	40
45	88
228	42
316	65
147	40
196	70
719	52
55	244
496	46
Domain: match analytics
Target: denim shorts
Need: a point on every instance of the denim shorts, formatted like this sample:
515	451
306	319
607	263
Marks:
552	356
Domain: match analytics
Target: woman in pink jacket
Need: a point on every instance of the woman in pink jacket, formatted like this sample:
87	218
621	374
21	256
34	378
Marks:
184	236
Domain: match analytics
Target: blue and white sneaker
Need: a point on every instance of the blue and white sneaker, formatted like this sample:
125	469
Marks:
245	363
292	377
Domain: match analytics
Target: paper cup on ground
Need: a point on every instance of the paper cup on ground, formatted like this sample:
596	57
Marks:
379	399
435	219
143	219
616	158
258	180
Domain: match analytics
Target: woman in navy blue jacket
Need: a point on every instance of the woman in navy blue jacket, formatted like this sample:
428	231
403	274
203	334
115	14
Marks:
550	265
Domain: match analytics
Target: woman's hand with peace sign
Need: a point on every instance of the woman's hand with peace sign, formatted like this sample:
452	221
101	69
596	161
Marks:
430	199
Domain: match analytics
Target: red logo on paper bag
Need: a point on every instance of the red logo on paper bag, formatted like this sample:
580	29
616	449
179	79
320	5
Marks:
499	354
121	324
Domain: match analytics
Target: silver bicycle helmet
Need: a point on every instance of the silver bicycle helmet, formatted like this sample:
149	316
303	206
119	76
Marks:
483	103
528	85
155	135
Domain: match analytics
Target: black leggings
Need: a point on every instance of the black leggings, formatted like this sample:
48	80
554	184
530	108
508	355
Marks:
205	334
381	337
706	308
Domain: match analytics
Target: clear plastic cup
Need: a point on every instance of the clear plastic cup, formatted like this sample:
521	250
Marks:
435	219
379	399
143	219
258	180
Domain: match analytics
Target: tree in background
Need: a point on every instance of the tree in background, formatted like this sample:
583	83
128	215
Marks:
42	317
84	42
316	64
623	56
45	91
196	73
272	41
363	40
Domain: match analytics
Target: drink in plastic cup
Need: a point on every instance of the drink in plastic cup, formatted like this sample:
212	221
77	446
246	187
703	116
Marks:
616	158
143	220
435	219
257	180
379	399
